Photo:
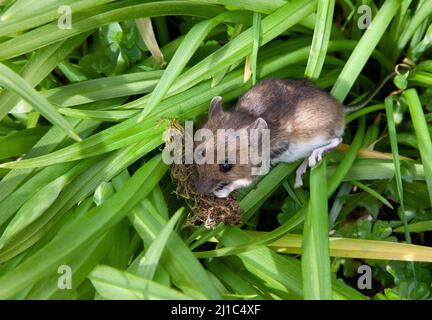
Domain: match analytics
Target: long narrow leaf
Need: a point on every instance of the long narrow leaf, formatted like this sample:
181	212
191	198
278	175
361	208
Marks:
92	225
16	84
315	260
323	24
423	136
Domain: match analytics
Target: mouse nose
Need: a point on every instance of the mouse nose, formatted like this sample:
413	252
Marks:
203	185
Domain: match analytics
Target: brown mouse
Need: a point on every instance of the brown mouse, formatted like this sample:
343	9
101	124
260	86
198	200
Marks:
304	121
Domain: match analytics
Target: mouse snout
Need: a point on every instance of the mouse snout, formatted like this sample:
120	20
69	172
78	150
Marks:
203	185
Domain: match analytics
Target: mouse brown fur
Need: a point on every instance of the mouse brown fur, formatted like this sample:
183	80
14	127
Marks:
304	121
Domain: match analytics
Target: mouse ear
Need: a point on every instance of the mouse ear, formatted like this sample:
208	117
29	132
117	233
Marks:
259	124
215	106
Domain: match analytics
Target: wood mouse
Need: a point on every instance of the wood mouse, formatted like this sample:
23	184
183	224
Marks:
304	122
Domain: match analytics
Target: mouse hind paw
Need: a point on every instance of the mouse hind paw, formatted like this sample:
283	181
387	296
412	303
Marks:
315	157
299	173
319	153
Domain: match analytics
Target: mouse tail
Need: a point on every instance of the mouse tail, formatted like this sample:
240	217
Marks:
371	96
354	108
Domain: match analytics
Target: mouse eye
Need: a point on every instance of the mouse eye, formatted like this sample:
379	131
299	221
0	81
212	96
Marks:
225	167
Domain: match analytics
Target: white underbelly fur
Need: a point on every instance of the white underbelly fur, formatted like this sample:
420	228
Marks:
300	150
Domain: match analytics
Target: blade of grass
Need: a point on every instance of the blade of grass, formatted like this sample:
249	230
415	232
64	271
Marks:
373	169
315	261
187	48
231	277
372	192
38	67
145	28
104	170
157	197
187	273
34	14
109	116
11	203
423	11
102	89
262	6
364	48
256	27
33	208
420	226
162	30
339	247
115	284
19	142
218	77
265	262
54	138
321	37
247	69
50	33
265	187
338	204
151	259
271	26
395	150
270	287
357	248
88	148
347	162
422	133
12	81
204	236
80	232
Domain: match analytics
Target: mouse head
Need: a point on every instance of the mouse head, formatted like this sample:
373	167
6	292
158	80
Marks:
222	157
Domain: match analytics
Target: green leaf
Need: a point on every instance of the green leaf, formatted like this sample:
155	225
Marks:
321	37
92	19
119	285
186	271
19	142
256	27
77	234
18	85
373	193
422	133
187	48
364	49
401	80
103	192
316	273
147	266
395	150
267	264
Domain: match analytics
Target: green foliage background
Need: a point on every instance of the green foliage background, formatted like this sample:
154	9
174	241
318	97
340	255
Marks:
83	184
